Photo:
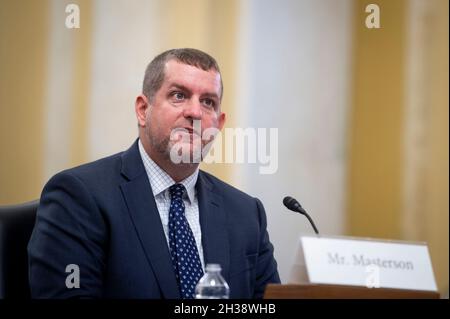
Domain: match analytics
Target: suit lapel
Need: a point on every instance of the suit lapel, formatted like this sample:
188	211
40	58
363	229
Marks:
213	224
147	222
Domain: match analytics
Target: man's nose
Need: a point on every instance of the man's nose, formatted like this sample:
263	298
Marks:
193	110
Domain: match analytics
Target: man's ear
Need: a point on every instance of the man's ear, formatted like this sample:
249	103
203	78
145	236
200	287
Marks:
141	107
221	121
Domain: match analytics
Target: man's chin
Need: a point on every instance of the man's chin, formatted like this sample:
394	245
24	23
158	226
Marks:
185	153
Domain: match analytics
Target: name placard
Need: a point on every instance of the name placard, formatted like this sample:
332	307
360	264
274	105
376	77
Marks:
369	263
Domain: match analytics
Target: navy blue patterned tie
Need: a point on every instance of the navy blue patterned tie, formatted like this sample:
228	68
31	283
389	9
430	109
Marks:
183	249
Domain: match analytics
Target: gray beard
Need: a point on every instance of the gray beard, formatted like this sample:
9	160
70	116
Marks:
162	147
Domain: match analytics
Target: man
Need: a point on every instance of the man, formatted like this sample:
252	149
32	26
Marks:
142	223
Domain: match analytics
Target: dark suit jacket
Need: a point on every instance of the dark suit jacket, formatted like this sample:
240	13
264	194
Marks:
102	216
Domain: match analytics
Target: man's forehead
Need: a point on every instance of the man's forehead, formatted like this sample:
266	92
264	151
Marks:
175	67
177	73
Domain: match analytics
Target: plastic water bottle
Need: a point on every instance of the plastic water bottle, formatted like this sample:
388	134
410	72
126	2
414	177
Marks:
212	285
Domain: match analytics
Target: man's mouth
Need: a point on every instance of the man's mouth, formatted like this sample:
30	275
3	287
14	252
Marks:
189	130
177	134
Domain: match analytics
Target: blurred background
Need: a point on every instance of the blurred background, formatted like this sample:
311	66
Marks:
362	114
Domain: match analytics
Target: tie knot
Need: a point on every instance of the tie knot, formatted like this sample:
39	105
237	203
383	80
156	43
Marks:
177	191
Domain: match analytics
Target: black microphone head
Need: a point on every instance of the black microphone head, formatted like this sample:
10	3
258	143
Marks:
287	201
292	204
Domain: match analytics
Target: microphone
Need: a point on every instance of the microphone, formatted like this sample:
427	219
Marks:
294	205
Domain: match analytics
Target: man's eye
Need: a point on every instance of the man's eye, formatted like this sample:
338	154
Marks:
178	96
208	102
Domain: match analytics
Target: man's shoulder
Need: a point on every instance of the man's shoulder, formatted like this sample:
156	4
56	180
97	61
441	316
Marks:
107	169
98	171
225	188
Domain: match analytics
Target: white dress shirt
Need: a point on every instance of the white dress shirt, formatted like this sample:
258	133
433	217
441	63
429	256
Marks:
160	182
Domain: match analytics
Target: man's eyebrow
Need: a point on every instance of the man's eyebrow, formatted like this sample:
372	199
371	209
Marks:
211	95
179	86
183	88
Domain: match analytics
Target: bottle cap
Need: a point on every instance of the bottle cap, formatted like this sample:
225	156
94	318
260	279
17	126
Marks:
213	267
